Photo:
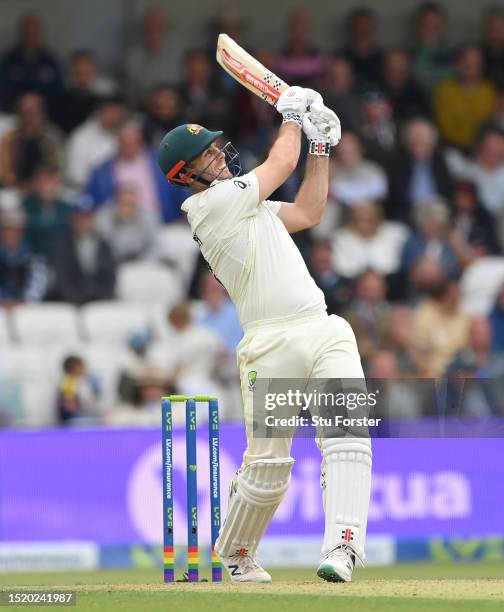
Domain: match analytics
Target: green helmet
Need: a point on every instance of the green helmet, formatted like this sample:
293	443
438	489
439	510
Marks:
180	146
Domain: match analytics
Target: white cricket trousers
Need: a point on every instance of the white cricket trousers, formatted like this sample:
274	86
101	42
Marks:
310	345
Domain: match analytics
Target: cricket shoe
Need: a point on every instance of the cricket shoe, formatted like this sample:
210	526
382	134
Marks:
337	565
244	568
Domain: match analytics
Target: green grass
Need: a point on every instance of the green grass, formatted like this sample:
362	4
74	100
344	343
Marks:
433	587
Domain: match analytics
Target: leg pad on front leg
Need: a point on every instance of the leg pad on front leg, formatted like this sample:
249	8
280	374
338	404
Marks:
346	484
256	491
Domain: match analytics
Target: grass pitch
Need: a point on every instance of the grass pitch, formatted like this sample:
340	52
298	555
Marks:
416	588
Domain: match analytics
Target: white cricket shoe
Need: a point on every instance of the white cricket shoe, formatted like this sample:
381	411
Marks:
244	568
337	565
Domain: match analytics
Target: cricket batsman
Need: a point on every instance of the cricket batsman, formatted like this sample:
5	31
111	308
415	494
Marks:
245	238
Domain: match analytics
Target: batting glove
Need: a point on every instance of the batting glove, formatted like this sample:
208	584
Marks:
292	104
313	97
325	118
322	128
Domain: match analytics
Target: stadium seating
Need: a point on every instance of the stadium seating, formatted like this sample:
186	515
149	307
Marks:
45	323
147	282
177	248
111	321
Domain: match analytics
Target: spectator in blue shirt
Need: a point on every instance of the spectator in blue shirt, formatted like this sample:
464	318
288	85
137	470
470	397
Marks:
136	165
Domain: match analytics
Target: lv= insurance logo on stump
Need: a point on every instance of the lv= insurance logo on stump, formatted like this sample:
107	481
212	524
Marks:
192	492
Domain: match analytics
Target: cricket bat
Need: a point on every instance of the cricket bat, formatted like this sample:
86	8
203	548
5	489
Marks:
249	72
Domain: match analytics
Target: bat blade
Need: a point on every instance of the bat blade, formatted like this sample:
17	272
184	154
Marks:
248	71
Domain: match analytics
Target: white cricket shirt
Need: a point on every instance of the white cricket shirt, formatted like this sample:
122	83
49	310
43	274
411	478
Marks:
250	251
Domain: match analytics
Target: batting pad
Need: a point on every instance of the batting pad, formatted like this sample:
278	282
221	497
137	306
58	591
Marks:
346	485
256	492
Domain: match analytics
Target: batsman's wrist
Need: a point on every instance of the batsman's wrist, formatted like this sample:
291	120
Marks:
292	118
319	147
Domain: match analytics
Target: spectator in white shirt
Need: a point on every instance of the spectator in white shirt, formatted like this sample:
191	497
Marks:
354	178
368	242
486	171
94	141
129	230
156	58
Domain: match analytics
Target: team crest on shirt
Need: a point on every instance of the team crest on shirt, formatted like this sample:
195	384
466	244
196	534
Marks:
194	129
252	377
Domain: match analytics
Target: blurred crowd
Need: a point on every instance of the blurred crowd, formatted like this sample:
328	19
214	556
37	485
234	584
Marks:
415	211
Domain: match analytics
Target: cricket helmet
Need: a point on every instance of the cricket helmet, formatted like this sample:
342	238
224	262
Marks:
180	146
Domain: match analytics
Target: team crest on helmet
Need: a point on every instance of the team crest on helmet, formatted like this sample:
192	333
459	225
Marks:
194	129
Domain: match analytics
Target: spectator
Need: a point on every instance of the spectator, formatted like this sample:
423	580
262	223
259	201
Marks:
156	58
23	275
398	339
440	327
31	143
143	411
473	230
493	45
378	130
78	392
405	96
84	267
164	112
368	242
226	19
300	61
219	313
362	50
135	165
419	172
497	321
83	92
29	66
398	399
482	369
368	312
202	99
496	121
95	141
129	229
353	178
431	56
486	171
48	214
336	288
338	91
464	103
427	258
255	129
201	357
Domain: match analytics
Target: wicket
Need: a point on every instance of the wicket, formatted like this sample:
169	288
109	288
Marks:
192	493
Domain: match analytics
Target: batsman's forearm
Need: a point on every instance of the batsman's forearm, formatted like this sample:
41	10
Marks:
287	147
312	195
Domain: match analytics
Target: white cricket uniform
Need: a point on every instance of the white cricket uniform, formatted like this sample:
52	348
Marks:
288	334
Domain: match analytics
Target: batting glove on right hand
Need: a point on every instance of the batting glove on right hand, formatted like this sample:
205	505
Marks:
326	120
322	128
292	104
